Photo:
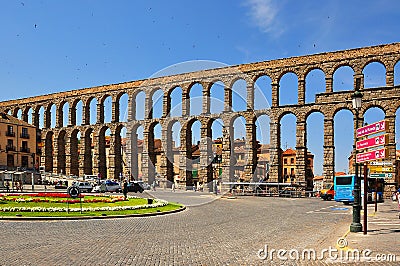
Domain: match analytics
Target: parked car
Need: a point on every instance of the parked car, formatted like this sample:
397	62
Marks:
144	185
135	186
61	184
84	186
108	186
328	193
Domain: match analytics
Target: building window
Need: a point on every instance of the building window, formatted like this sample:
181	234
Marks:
10	131
24	147
24	133
10	145
292	160
284	161
24	161
10	160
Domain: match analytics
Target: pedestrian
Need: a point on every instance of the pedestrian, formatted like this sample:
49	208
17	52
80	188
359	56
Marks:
398	200
125	189
173	187
8	186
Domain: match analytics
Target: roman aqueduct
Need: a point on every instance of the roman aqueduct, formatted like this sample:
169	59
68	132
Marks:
61	144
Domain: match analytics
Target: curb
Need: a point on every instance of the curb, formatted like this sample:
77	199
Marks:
15	218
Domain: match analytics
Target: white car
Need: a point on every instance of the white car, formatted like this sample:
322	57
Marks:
84	186
108	186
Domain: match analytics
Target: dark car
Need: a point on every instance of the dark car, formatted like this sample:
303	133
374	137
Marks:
135	186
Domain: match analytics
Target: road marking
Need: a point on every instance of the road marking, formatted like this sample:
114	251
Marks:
384	223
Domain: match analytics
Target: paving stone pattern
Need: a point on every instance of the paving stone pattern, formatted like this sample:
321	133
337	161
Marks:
222	232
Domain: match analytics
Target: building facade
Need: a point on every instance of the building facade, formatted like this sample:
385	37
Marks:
18	144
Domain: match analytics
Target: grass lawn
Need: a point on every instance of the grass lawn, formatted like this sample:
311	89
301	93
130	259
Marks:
87	202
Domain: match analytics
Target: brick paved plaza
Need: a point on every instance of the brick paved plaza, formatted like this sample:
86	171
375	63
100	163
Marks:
212	231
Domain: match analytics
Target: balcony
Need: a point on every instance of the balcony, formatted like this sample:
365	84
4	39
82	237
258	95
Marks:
25	149
10	148
24	136
10	134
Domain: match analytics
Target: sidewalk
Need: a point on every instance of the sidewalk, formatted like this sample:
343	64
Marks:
383	235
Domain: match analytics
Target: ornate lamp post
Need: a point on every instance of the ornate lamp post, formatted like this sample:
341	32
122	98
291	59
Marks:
356	225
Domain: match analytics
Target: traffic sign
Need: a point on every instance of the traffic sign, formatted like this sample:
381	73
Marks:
373	128
381	163
381	175
372	142
371	155
380	169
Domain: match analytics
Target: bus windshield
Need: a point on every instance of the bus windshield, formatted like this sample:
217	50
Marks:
344	180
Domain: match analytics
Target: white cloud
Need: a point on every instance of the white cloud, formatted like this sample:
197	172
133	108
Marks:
263	15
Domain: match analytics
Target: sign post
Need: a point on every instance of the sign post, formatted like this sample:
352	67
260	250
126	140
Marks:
378	152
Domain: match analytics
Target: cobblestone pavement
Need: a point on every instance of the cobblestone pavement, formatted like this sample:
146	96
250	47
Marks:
221	232
383	234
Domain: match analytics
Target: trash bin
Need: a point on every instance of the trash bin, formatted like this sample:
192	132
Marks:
149	201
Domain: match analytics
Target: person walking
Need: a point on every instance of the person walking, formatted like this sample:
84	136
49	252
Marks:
125	189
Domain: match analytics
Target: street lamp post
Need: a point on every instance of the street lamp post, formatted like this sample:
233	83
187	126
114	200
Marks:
356	224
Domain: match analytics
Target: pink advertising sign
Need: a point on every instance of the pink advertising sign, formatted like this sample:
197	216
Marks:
373	128
371	155
372	142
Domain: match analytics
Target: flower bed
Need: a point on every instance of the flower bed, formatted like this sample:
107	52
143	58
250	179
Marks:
59	202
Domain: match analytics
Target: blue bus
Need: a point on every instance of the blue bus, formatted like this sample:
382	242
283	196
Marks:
344	186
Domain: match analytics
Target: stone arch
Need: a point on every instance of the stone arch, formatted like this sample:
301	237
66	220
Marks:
343	119
49	151
74	140
105	113
138	105
154	149
314	83
155	103
190	148
373	113
373	78
50	115
171	149
91	112
195	98
39	119
62	114
102	144
174	107
287	147
288	85
122	107
262	122
239	94
216	92
262	94
61	152
119	152
76	112
17	112
89	160
315	139
238	142
136	151
343	80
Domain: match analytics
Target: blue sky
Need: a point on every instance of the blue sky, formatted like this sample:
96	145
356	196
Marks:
51	46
